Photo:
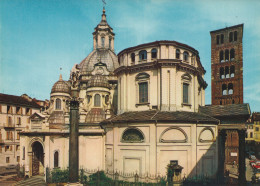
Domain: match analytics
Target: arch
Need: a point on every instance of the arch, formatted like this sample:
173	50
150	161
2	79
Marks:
142	75
221	56
230	36
142	55
97	100
58	104
206	135
154	53
186	76
177	54
230	88
224	89
173	135
56	159
133	135
232	54
226	55
37	158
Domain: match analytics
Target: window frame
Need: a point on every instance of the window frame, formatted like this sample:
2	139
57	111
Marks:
97	101
139	79
58	104
131	141
185	56
186	80
154	53
142	55
177	53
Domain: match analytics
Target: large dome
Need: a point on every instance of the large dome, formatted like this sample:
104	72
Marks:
99	55
98	81
60	87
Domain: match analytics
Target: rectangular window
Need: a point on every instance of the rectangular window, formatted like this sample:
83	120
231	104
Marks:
257	129
251	134
28	111
18	110
23	153
9	109
185	93
143	92
18	159
7	159
17	147
18	136
7	148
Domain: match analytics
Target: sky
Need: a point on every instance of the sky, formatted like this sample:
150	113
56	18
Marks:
39	37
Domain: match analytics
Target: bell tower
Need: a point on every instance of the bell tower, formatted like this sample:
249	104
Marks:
227	65
103	36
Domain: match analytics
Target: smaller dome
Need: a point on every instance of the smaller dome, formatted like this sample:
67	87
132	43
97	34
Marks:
98	81
60	87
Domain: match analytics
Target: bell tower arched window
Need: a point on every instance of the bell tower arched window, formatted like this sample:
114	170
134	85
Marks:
221	73
97	101
221	56
232	54
232	71
224	89
226	55
230	88
58	104
230	36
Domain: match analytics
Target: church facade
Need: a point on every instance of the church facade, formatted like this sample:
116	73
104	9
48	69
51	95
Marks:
139	111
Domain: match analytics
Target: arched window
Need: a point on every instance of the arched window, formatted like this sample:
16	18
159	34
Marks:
226	55
221	56
97	102
103	41
185	56
224	89
235	36
132	135
154	53
232	71
221	73
56	159
133	57
232	54
58	104
230	88
142	55
230	36
185	93
222	38
217	39
107	99
227	72
177	54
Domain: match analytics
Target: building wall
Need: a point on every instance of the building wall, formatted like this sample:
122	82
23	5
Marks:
196	150
12	123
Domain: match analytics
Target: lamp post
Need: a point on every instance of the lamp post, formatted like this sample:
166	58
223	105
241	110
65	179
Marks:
74	137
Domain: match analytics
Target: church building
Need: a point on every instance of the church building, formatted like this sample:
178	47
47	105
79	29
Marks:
140	110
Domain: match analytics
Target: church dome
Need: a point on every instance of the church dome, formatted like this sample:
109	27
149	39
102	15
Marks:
99	55
98	81
60	87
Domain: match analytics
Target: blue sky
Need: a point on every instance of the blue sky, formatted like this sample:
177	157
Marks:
38	37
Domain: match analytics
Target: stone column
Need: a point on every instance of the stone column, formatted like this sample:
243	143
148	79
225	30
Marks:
221	154
74	142
241	156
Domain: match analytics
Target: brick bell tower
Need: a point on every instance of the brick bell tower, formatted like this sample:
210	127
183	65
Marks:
227	65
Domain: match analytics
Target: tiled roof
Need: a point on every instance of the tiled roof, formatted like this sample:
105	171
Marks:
95	115
56	120
153	115
17	100
226	110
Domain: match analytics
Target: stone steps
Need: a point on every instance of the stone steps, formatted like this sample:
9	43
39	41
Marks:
34	180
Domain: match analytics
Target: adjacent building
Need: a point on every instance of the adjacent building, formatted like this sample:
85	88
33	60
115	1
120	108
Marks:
15	112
